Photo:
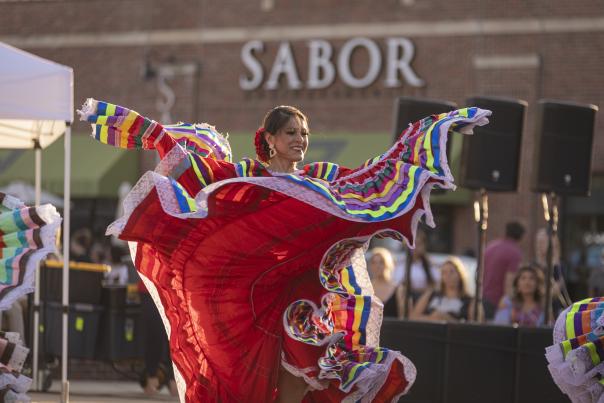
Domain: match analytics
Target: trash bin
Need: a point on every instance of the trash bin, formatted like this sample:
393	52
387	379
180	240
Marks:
120	336
114	296
83	329
85	281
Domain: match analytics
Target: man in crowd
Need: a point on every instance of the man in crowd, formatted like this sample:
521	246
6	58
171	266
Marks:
501	261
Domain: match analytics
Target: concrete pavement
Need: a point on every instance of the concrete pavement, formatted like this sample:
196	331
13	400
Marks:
101	392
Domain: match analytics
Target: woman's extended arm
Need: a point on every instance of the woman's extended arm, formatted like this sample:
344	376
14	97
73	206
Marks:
423	143
200	155
399	180
420	308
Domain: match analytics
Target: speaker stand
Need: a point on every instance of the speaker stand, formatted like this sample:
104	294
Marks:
550	212
407	284
481	216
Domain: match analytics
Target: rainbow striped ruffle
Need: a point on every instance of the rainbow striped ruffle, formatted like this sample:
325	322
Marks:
124	128
388	185
249	168
348	321
576	359
201	139
27	234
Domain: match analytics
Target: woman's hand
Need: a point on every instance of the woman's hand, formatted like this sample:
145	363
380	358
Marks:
437	315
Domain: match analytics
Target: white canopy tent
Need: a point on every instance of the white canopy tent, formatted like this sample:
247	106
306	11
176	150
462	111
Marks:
36	108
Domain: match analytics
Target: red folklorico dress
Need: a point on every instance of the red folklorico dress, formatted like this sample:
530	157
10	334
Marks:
254	270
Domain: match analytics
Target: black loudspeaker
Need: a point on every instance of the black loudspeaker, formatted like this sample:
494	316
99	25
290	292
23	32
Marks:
409	109
472	363
533	381
563	147
424	343
490	157
481	364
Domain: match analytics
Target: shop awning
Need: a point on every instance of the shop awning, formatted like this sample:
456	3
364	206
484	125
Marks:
353	149
97	170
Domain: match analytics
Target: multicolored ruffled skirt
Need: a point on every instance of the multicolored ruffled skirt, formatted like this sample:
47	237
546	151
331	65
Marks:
254	270
576	359
27	235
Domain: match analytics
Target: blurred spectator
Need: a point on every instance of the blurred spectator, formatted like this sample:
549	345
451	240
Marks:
596	279
100	252
423	274
502	258
525	306
158	364
81	242
119	269
451	301
380	267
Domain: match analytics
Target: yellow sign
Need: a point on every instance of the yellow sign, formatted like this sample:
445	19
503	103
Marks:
79	324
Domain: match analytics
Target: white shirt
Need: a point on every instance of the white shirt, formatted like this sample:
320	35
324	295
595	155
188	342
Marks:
419	281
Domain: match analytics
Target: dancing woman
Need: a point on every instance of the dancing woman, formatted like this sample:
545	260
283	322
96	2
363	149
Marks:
258	266
27	235
576	359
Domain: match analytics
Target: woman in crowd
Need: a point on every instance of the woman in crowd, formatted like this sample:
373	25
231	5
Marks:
381	267
258	266
451	300
525	306
80	245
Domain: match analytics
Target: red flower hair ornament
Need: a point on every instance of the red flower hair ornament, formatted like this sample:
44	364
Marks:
261	146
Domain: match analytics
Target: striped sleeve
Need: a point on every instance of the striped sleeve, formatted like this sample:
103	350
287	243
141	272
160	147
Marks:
125	128
205	154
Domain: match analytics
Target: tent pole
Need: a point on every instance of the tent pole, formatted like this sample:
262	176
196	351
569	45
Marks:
38	171
66	223
36	328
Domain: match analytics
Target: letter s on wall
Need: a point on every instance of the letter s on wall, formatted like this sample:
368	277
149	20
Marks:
253	65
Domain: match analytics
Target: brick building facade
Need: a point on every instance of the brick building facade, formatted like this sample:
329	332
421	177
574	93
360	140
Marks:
520	49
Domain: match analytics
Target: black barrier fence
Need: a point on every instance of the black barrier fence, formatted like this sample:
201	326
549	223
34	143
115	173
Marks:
472	363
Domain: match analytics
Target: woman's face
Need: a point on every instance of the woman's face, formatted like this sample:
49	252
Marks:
449	275
527	283
376	266
291	141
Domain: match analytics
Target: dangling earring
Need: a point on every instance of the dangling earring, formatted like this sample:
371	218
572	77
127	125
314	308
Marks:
271	151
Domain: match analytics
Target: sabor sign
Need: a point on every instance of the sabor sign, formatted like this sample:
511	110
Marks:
322	69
